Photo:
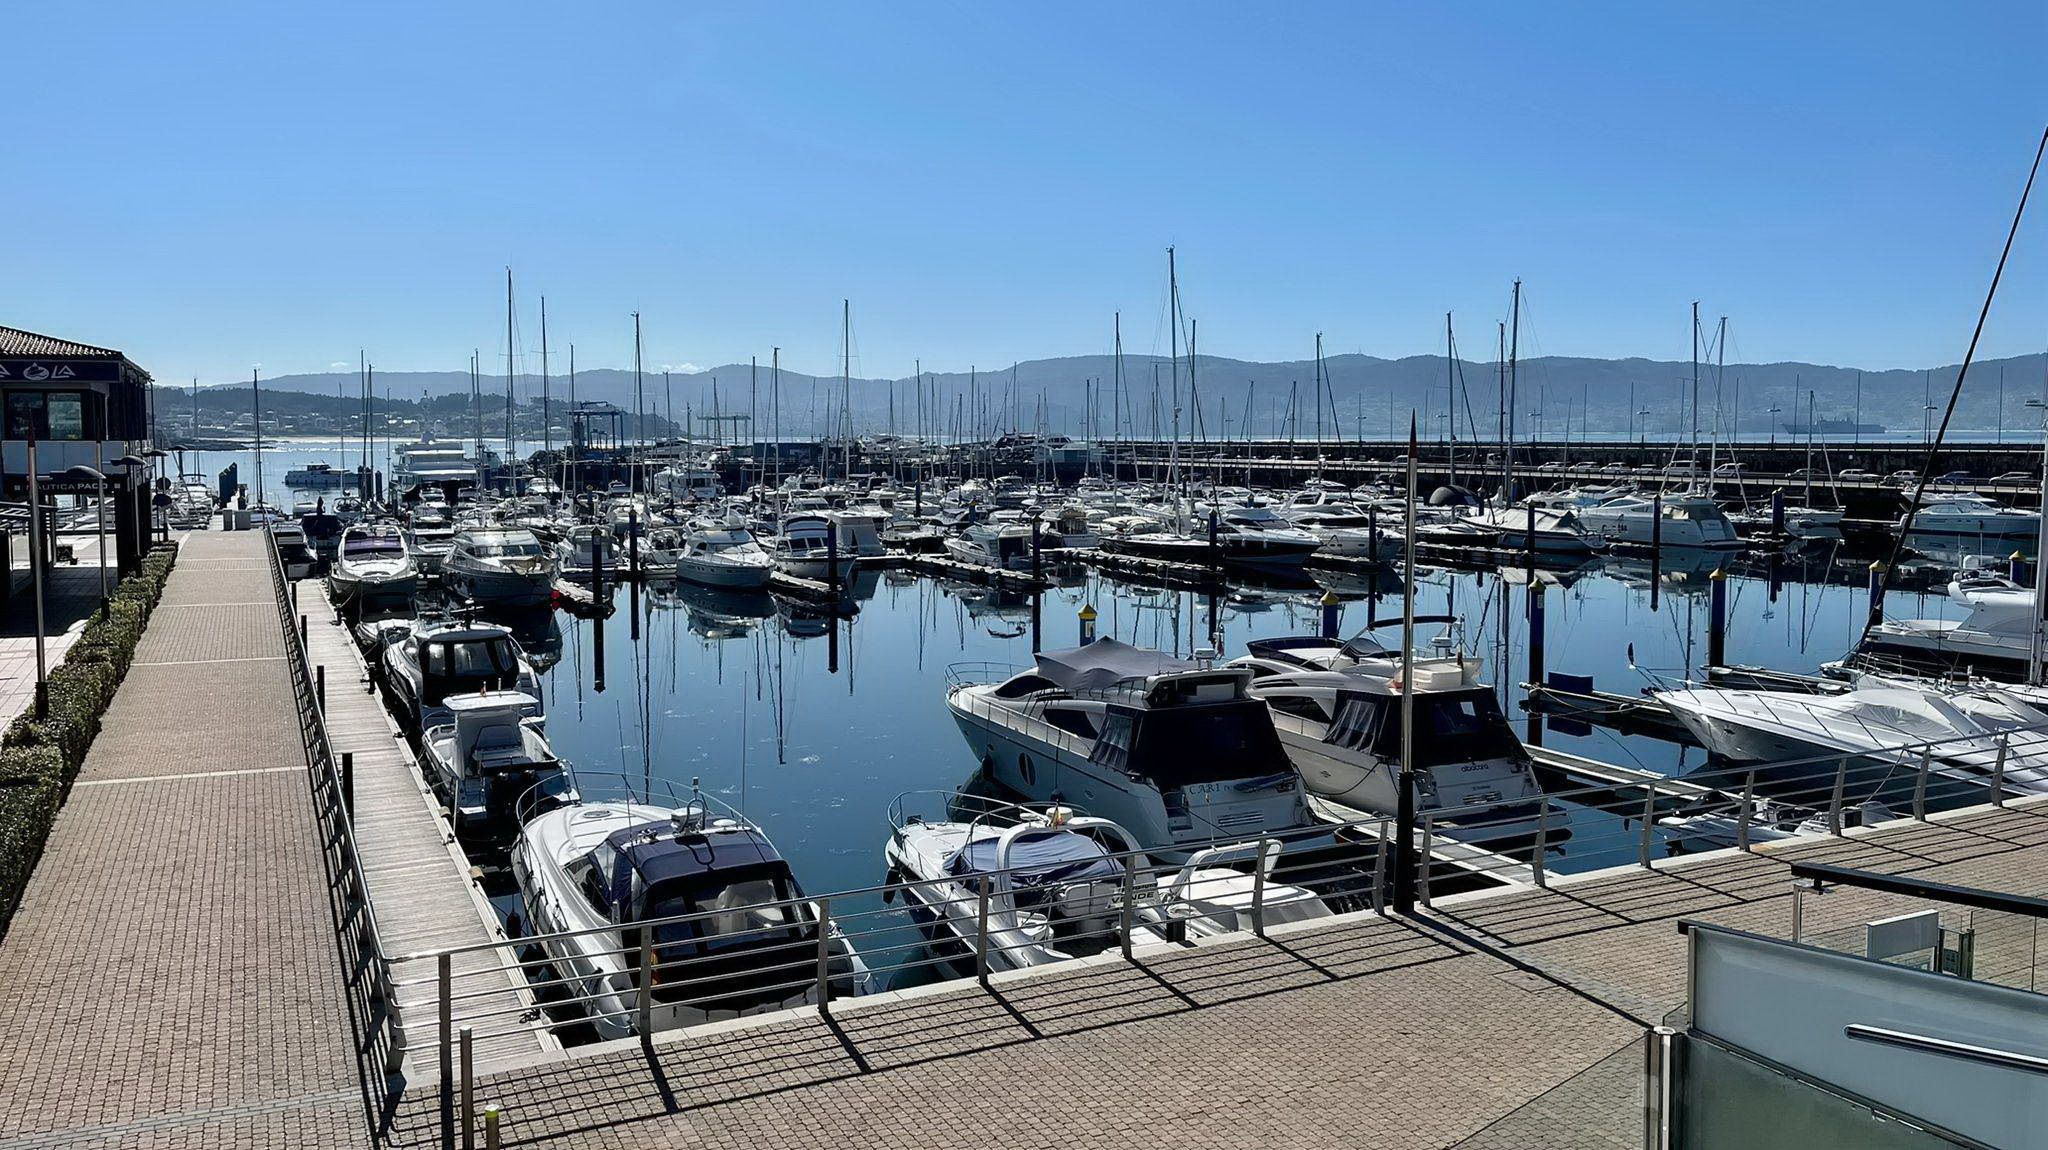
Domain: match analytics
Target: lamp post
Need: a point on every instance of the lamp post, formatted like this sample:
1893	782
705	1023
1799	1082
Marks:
35	567
99	480
132	461
156	455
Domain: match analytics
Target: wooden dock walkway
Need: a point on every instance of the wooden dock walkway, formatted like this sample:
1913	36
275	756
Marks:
418	877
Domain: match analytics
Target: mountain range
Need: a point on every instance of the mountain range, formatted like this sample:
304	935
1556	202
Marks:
1368	396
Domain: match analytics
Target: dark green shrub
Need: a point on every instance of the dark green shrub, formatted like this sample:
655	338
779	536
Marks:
27	808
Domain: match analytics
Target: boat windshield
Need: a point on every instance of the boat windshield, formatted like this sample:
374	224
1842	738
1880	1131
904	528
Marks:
736	919
505	548
366	545
1450	728
1192	745
472	657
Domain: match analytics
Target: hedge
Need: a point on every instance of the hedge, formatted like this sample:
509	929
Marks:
40	757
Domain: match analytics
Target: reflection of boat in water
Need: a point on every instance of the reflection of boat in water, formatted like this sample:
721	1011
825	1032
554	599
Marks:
1681	570
539	635
801	620
719	612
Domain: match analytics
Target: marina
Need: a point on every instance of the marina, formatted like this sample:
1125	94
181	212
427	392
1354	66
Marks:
944	577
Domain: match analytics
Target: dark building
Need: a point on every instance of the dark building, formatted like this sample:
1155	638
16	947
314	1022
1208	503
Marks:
79	404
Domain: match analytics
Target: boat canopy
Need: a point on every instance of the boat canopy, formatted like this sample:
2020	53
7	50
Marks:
655	855
1105	663
1038	858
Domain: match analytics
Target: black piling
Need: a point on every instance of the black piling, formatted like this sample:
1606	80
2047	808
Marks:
1717	618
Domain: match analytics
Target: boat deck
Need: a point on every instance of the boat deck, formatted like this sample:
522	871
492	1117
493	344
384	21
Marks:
419	880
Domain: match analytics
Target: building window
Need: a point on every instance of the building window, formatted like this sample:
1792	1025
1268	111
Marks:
47	415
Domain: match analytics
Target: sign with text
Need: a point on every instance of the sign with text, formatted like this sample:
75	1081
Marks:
57	372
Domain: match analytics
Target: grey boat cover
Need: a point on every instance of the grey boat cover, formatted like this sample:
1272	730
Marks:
1039	858
1105	663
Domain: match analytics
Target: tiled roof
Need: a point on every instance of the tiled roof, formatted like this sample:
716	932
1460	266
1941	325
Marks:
14	341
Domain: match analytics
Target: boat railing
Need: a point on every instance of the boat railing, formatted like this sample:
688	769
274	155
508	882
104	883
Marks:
374	1005
642	976
979	673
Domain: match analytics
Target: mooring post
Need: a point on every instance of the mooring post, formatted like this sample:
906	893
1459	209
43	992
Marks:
348	783
1876	586
1330	611
1778	511
2016	565
1536	659
633	543
320	686
1087	624
1717	618
1404	843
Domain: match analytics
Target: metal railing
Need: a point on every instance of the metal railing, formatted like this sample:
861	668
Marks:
1741	806
368	974
637	977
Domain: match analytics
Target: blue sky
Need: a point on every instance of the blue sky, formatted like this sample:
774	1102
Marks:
216	186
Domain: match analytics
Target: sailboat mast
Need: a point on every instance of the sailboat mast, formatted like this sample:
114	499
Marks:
1319	405
1451	392
547	426
639	405
511	396
1514	355
1692	465
845	388
1173	310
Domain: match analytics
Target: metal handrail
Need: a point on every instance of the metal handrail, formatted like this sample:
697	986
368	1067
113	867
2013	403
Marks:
320	763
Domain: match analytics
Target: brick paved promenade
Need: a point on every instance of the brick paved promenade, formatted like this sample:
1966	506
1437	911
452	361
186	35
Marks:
171	978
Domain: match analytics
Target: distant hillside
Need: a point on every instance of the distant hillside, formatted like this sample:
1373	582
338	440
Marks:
1592	393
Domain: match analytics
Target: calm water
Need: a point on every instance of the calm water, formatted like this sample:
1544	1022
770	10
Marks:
813	739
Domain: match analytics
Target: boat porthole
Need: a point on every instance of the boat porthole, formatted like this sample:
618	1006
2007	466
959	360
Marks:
1026	769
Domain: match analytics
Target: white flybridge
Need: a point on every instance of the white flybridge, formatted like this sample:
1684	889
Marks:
1177	752
1337	708
1969	735
1966	516
1056	881
1996	638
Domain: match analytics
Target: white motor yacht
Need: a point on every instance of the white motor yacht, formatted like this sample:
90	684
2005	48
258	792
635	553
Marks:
1556	531
1966	733
723	553
373	565
1965	515
1345	530
1342	730
1996	638
1176	752
860	531
728	921
490	754
805	548
996	543
429	536
577	551
503	566
432	659
1056	882
1680	521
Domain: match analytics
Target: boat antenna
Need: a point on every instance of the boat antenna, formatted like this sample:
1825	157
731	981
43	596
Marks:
1956	393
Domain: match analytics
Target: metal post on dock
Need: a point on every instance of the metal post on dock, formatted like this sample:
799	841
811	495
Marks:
1876	587
1998	770
1717	618
1649	834
1215	547
1748	811
824	956
1331	607
1404	843
1129	903
1423	855
348	782
981	932
1542	845
645	1003
1660	1099
320	686
1920	784
1088	618
468	1089
444	976
1835	800
1259	889
1778	511
832	562
492	1116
